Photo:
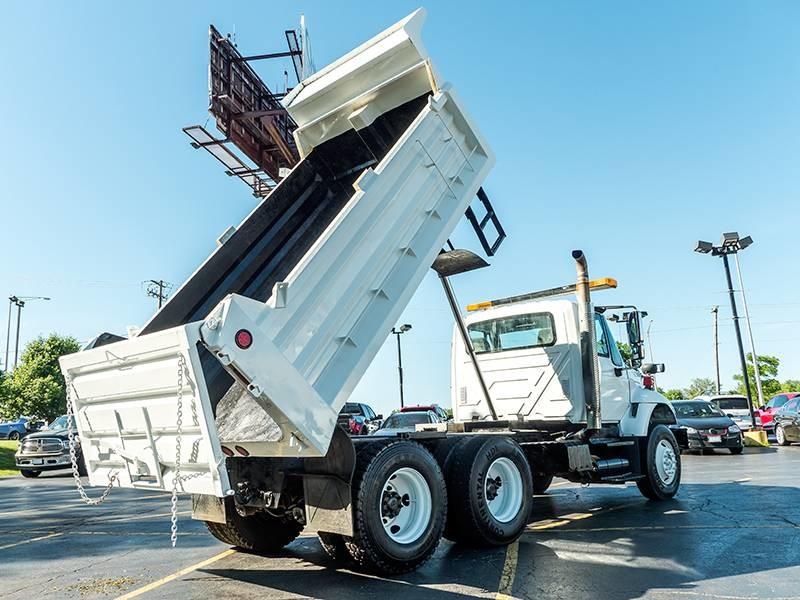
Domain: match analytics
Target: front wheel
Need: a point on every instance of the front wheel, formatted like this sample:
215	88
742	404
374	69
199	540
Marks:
30	473
13	436
780	436
662	476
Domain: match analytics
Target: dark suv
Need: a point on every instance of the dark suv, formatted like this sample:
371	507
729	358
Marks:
47	450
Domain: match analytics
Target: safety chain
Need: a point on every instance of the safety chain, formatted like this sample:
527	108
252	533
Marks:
73	457
176	475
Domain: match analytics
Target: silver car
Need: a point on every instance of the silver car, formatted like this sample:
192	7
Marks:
406	422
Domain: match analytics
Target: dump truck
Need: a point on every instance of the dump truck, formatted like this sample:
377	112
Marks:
231	391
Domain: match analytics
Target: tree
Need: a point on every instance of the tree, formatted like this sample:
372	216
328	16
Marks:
36	387
768	368
700	387
673	394
790	385
625	351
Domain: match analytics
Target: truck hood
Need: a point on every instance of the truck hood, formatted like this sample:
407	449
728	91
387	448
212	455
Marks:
50	433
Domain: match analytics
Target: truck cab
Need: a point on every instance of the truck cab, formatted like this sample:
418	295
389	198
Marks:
529	354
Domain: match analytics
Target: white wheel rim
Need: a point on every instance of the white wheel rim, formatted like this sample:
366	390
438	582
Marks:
779	434
666	463
503	490
406	505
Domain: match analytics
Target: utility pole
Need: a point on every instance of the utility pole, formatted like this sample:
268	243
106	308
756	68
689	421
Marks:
398	333
756	370
715	314
158	289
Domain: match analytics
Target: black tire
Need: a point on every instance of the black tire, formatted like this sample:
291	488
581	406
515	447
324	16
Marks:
334	546
652	486
781	437
13	436
541	483
470	519
30	473
260	532
371	547
738	450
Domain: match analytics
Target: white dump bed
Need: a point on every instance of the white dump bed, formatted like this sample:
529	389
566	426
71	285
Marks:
317	333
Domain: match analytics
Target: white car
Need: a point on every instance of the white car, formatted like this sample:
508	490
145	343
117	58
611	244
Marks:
734	406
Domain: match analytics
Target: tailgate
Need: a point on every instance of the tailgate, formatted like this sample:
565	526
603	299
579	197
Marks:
125	398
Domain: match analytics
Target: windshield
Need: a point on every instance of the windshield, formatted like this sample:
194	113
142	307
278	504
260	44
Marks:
513	333
731	403
694	410
402	420
60	423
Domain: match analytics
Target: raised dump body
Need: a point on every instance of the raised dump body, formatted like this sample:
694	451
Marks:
263	344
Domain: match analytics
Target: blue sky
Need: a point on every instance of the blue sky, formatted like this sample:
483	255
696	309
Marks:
627	129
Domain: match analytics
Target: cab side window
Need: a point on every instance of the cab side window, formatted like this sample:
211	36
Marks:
791	406
600	337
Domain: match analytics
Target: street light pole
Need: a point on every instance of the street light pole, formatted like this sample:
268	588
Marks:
11	301
738	330
20	302
756	370
398	333
731	244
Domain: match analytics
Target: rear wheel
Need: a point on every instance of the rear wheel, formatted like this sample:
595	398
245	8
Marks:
541	483
30	473
663	465
258	533
400	504
491	492
780	436
334	546
738	450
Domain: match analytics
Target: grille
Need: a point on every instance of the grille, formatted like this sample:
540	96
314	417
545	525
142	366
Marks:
721	431
42	446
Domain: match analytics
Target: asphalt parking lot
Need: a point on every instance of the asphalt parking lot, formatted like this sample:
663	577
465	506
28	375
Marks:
731	533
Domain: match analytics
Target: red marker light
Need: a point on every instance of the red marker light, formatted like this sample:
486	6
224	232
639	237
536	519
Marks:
244	339
227	451
242	451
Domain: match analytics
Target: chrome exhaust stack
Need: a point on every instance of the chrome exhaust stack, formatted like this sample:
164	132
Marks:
589	361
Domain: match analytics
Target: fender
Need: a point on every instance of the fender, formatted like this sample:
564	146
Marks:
646	407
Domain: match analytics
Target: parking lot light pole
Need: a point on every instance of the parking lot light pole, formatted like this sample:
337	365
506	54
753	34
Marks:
20	303
398	333
731	244
12	300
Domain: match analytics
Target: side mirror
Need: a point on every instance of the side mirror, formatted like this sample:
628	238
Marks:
379	417
652	368
634	326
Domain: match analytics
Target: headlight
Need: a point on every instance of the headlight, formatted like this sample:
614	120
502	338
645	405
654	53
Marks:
734	428
690	430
